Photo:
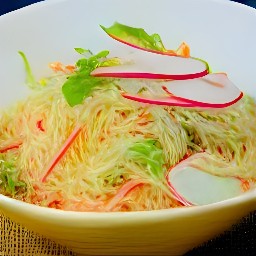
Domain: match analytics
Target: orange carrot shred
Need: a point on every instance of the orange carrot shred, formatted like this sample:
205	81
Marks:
56	66
125	189
183	50
62	152
10	147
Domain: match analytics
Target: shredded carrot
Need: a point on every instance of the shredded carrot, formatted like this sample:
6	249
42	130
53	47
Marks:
123	114
171	52
144	123
62	152
40	126
10	147
220	150
167	91
56	66
123	191
245	184
183	50
220	85
70	68
59	67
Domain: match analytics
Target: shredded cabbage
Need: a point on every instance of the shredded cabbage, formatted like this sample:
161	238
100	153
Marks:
120	157
77	144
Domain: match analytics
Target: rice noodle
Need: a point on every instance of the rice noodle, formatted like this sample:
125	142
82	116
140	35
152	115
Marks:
97	165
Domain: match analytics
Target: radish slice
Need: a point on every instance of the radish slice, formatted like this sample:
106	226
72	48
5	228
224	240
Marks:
191	186
167	101
140	39
178	102
150	65
213	90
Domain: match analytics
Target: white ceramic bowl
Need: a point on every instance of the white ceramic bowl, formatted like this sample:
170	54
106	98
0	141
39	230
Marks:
221	32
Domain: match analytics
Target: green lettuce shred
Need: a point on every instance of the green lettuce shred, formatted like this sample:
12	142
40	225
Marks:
147	153
135	36
9	178
30	79
80	85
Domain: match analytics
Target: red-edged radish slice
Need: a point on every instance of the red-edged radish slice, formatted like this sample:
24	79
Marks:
183	49
191	186
178	102
143	64
166	101
140	39
211	91
214	88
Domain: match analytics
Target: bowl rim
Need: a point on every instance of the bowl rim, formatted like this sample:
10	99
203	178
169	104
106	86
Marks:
43	3
123	216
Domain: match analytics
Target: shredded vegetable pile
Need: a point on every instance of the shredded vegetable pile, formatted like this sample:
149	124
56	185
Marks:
76	143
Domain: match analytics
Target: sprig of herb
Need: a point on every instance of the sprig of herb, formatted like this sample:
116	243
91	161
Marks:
81	84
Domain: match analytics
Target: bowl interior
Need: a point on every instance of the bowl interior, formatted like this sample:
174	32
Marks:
218	31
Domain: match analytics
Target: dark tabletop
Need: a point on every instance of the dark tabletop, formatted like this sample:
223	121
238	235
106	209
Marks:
238	240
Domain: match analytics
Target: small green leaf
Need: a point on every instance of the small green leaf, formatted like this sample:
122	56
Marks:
110	62
11	184
102	54
30	80
78	87
81	84
135	36
82	51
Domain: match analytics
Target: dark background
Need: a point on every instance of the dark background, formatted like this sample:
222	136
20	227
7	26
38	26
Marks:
9	5
241	238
